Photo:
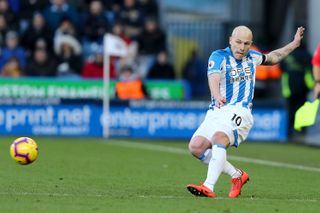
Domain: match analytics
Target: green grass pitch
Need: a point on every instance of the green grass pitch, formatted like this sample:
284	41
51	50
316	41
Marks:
96	175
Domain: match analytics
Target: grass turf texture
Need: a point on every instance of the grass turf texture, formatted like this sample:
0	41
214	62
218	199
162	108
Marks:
95	175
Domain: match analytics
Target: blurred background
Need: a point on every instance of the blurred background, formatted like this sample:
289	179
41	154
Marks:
52	63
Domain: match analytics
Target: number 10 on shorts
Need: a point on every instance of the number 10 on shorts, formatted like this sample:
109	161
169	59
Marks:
236	119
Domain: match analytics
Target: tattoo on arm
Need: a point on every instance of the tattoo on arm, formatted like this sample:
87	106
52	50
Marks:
276	56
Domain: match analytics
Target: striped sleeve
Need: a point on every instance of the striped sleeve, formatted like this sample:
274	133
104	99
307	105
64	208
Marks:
258	58
215	62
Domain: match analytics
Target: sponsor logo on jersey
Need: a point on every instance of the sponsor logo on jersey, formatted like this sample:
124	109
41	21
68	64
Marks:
240	74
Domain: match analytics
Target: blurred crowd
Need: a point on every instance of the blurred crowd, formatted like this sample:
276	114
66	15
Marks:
64	38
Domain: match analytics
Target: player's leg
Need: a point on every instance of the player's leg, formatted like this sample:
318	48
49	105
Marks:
243	124
201	148
218	163
218	160
230	170
222	132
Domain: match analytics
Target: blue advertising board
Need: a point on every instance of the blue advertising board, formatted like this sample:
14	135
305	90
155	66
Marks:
51	120
156	123
134	122
270	124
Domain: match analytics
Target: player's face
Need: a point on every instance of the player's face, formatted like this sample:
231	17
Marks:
240	45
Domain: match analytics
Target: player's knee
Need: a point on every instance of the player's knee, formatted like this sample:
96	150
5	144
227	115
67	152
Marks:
194	149
221	138
197	147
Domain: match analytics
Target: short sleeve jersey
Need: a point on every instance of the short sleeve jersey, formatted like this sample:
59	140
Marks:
237	77
316	57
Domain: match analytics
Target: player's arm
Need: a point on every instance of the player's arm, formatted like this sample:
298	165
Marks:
214	84
277	55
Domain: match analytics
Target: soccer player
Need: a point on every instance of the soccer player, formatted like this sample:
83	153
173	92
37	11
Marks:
231	77
316	71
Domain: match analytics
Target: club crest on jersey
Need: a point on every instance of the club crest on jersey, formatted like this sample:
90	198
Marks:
210	64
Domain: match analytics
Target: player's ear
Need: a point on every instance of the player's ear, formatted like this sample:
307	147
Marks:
230	40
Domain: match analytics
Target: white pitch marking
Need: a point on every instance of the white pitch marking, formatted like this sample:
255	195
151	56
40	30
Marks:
160	148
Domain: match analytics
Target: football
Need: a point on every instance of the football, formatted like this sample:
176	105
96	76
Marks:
24	150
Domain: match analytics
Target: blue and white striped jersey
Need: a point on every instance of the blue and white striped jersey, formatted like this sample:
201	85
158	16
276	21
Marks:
237	76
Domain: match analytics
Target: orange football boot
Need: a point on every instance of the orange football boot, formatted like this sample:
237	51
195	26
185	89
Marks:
237	184
200	191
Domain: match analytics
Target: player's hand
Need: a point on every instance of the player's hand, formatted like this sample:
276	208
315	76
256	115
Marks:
219	101
298	36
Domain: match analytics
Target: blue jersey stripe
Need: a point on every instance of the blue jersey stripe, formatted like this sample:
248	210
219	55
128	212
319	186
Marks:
229	86
242	87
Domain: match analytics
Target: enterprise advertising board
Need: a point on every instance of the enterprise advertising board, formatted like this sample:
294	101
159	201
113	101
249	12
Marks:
167	121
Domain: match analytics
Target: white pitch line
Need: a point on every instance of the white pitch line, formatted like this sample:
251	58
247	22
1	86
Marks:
160	148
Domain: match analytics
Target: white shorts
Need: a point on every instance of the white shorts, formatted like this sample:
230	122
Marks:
234	121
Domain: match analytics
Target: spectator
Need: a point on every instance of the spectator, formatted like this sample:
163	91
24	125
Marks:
41	64
10	16
112	9
30	7
115	62
3	30
95	22
68	51
96	25
129	85
94	68
131	17
11	68
151	42
12	49
162	69
66	27
194	72
37	30
59	10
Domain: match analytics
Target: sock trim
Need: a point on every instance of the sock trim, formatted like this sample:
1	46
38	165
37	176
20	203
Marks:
202	157
220	146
